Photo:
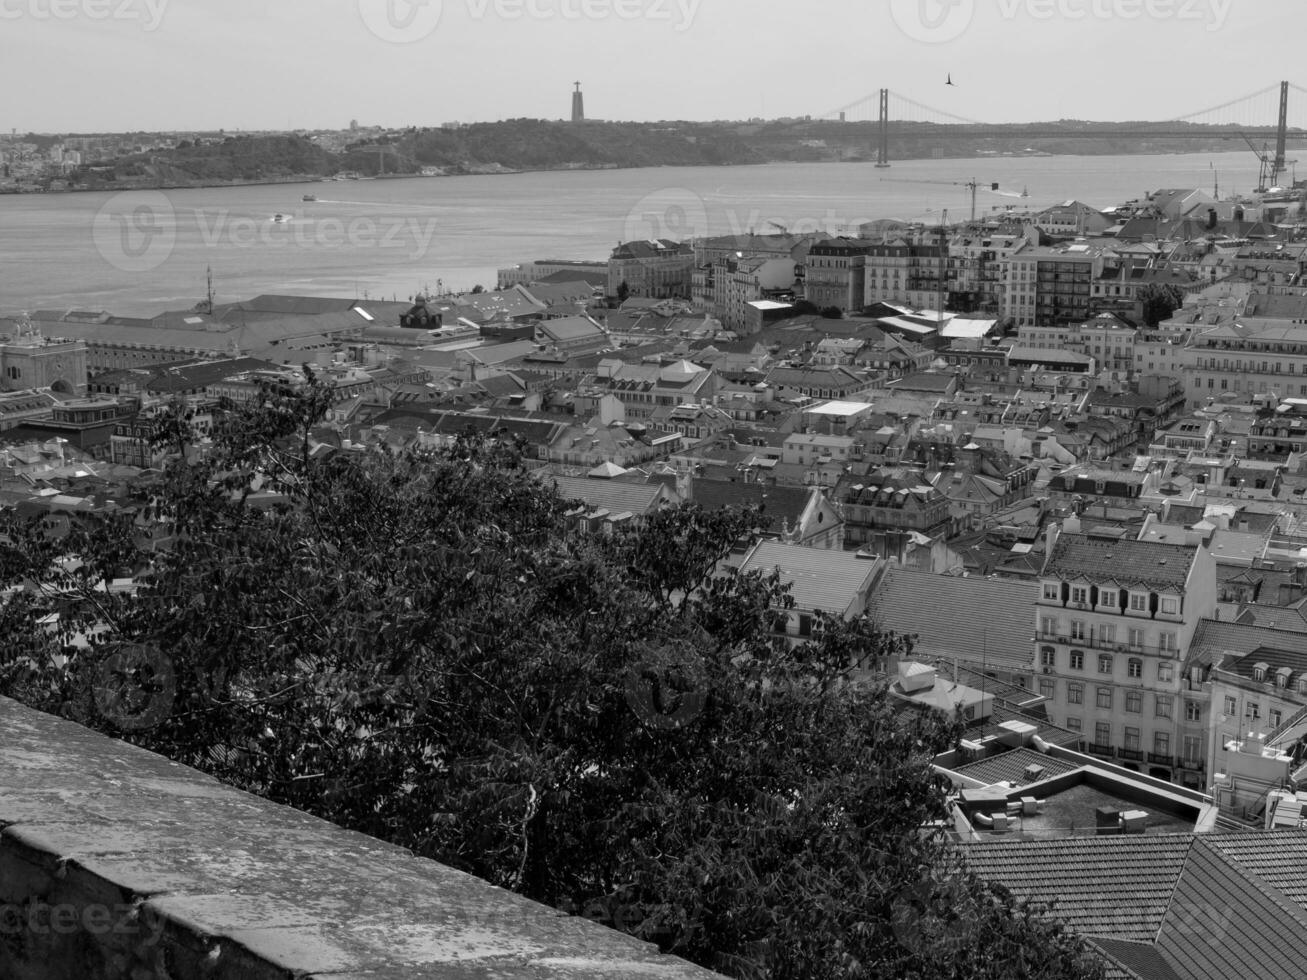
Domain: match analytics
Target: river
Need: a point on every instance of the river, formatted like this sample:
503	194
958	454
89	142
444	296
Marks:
140	253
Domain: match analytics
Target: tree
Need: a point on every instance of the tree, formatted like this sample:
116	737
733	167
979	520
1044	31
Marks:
1158	300
806	307
623	292
832	313
414	645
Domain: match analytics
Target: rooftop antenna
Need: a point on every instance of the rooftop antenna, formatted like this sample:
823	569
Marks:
208	292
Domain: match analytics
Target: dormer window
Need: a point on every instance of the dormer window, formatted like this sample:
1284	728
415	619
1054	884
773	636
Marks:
1282	677
1259	672
1079	594
1050	590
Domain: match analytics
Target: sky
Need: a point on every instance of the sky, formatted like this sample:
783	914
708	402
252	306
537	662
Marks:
123	65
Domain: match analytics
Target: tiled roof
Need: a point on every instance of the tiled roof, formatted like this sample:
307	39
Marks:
1225	922
946	613
616	498
1120	561
825	580
1277	857
1128	960
1215	637
1011	767
1102	886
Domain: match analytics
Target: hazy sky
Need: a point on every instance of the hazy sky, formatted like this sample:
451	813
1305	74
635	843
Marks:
116	65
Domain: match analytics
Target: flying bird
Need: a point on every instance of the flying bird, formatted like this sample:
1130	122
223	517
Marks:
950	80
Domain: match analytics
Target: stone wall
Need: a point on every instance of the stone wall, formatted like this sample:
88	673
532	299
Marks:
116	863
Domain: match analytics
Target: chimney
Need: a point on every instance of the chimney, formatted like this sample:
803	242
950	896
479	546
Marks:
685	485
1211	218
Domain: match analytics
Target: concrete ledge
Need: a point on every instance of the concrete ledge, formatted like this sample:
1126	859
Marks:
115	862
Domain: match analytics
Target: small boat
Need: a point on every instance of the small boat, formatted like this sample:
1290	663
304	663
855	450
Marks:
310	197
281	218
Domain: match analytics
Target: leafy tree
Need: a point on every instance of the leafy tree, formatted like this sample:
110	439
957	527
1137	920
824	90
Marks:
623	292
832	313
1158	300
416	646
806	307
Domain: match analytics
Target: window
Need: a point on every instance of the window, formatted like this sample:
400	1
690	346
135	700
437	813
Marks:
1047	688
1170	605
1075	693
1105	663
1162	743
1102	733
1139	601
1134	667
1193	748
1105	697
1134	702
1107	634
1166	642
1077	630
1274	717
1136	639
1074	724
1079	594
1193	711
1164	705
1230	706
1132	739
1252	710
1048	657
1048	626
1107	599
1050	590
1165	671
1077	660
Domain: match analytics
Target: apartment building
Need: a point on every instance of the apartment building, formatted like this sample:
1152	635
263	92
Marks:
835	273
903	274
1113	620
978	271
1049	285
1241	359
659	268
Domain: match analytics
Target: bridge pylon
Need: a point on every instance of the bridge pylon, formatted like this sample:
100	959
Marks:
882	149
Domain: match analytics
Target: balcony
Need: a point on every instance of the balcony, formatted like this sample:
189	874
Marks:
1158	759
1096	748
1197	765
1132	755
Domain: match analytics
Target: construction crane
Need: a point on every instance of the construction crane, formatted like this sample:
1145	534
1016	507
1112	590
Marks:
1266	172
971	184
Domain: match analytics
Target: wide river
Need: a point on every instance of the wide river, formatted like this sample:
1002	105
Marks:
140	253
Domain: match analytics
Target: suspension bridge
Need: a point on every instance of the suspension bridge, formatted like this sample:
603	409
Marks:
1259	117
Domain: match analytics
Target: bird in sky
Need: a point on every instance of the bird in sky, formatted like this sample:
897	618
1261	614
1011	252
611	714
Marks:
950	80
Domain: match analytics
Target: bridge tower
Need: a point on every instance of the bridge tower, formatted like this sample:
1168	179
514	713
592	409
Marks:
882	150
1281	128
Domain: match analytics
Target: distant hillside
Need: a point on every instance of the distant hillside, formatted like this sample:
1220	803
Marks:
533	144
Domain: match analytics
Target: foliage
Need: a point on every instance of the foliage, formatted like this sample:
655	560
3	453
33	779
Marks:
1158	301
832	313
414	645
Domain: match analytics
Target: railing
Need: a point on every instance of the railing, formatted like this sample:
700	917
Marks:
1134	755
1158	758
1197	765
1097	748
